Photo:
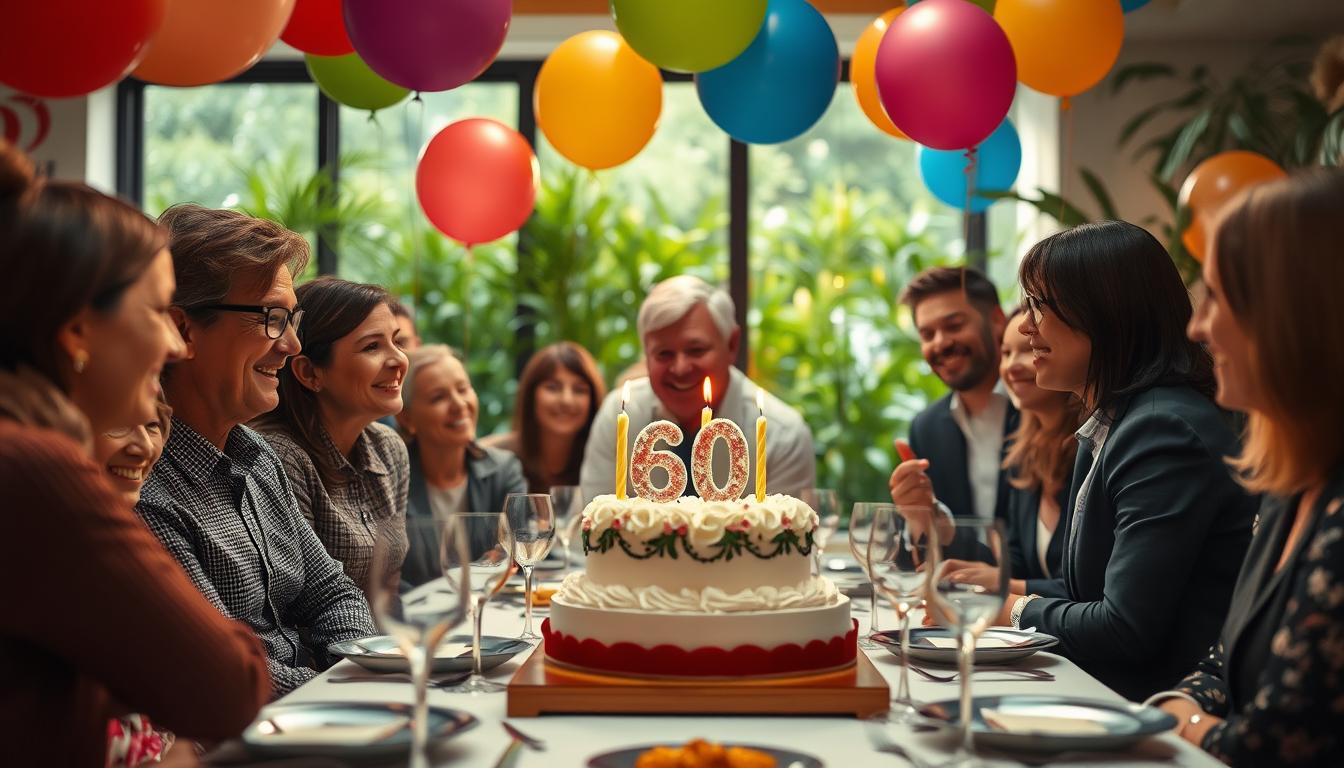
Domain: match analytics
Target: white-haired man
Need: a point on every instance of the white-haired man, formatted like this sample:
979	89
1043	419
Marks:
689	333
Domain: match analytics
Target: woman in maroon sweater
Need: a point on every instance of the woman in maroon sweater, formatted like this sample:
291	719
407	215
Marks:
98	620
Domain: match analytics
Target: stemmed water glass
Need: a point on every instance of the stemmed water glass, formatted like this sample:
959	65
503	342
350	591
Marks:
421	616
826	504
567	501
531	530
968	608
897	555
860	531
489	564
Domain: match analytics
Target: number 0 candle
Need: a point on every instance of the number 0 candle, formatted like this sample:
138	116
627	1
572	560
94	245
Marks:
760	445
622	437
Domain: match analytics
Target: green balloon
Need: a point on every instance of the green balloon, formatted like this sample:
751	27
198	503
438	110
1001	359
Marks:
348	80
689	35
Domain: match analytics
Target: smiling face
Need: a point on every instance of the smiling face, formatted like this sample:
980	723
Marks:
562	403
680	356
1061	354
363	377
1017	369
1214	325
442	411
957	340
129	455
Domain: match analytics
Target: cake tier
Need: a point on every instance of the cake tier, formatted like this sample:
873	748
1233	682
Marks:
753	643
579	589
695	544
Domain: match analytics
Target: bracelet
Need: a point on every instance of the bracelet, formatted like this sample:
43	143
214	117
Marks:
1015	615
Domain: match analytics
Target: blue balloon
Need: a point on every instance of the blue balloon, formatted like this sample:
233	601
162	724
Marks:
998	159
1132	5
782	84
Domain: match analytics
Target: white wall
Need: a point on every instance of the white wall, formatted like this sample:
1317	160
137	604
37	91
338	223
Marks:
62	152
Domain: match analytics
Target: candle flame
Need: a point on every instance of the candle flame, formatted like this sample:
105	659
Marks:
709	392
625	394
760	401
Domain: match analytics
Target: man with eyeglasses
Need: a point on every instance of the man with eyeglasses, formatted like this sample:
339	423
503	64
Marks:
219	499
956	445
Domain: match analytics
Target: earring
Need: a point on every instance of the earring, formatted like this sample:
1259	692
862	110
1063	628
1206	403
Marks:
81	359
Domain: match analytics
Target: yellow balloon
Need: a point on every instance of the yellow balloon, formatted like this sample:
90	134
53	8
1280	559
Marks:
863	72
1063	47
597	101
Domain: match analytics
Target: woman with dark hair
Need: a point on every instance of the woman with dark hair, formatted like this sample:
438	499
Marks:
1269	691
349	473
88	281
558	396
1158	525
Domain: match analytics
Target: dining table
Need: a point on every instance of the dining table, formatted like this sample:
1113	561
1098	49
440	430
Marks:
836	741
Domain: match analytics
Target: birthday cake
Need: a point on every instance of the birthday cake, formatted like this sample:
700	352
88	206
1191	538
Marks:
694	587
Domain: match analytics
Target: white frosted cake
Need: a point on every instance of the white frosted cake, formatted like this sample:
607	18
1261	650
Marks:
699	588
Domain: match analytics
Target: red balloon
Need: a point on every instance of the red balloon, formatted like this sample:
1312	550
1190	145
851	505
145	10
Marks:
477	180
61	48
318	27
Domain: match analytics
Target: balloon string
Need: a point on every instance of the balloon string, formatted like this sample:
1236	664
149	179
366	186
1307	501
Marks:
971	163
1067	108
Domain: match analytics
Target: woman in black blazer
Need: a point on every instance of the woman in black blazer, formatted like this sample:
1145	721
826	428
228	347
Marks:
1158	527
1271	690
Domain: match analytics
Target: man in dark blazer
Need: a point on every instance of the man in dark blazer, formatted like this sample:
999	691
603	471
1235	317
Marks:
954	456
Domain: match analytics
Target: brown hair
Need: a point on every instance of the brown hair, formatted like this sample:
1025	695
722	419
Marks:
543	365
212	247
1276	251
332	309
1043	457
64	246
937	280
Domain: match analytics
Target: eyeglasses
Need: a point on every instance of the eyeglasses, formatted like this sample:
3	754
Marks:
276	317
1034	306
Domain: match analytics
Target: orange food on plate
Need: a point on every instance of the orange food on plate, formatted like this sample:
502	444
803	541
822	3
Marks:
699	753
542	595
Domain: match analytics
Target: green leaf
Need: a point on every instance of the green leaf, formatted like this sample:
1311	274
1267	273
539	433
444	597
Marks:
1099	193
1185	143
1139	73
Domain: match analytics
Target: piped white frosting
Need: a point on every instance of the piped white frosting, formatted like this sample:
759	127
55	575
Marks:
703	521
580	590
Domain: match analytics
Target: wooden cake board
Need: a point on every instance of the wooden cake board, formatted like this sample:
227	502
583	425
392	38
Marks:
540	688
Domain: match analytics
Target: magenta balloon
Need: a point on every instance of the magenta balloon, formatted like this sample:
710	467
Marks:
428	45
946	73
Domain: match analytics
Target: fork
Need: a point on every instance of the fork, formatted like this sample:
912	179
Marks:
1030	674
400	677
517	740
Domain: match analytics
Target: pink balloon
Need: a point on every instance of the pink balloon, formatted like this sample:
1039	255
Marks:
477	180
946	73
428	45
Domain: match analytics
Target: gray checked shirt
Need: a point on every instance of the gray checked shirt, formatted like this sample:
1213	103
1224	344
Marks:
231	520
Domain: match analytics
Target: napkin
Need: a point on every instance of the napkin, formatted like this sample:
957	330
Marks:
330	733
444	651
981	642
1016	722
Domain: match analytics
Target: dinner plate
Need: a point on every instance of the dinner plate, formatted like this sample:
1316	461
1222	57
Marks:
380	653
344	730
625	758
922	649
1117	724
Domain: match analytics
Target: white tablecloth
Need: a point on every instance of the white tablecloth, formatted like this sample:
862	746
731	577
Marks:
837	741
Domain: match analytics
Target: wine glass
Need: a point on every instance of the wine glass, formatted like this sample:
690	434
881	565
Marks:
968	608
897	555
419	616
568	505
488	565
531	529
826	504
860	530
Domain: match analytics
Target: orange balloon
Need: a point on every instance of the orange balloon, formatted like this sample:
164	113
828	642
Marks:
206	41
863	72
1212	185
597	101
1063	47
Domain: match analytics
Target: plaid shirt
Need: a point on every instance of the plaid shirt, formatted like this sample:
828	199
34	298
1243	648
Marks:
369	506
231	521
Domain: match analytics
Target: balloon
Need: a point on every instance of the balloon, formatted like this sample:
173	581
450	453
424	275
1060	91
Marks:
318	27
998	159
206	41
863	72
946	74
689	35
477	180
1212	184
1132	5
1063	47
780	86
597	101
348	80
61	48
428	45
